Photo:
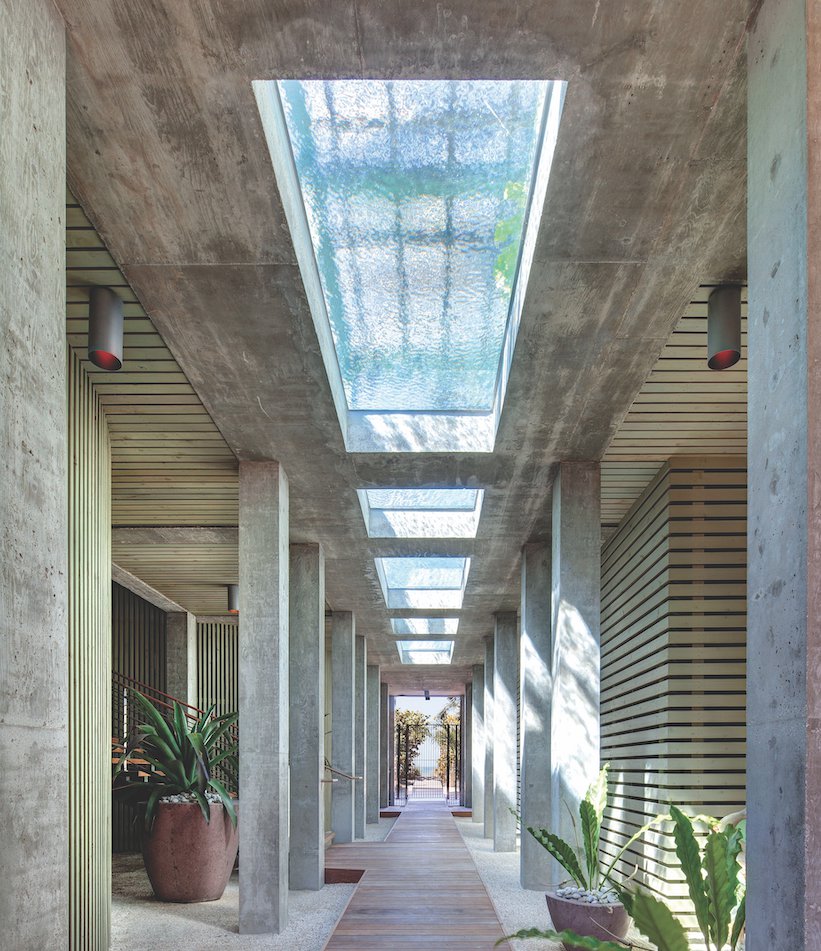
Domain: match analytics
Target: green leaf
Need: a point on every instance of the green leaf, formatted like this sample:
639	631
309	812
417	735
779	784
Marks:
590	840
656	820
200	724
569	937
180	726
151	806
560	851
738	924
223	754
689	859
655	920
597	793
720	887
156	720
203	804
227	801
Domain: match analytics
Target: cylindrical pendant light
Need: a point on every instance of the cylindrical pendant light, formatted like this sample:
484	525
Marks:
724	327
105	328
233	599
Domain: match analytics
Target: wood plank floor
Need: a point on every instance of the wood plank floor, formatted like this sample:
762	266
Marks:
420	890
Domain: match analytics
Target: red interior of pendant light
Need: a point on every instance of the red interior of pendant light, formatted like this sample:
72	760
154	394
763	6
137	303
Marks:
723	359
104	359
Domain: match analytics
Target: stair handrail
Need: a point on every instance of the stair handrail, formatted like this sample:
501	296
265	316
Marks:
339	772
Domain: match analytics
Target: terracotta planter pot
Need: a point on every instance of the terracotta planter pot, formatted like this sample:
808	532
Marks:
590	920
188	859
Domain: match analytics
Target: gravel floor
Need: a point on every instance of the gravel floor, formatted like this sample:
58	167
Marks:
376	832
516	907
141	923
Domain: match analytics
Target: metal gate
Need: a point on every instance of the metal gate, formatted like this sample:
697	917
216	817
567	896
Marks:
428	763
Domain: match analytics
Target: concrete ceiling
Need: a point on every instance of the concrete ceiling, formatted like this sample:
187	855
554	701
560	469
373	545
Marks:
646	202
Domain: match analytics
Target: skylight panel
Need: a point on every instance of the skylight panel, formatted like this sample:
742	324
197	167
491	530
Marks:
420	202
425	652
423	583
421	626
421	513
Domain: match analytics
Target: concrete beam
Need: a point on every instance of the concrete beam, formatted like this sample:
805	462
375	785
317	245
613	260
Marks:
477	744
343	638
536	687
576	570
487	814
373	759
181	656
263	697
144	591
33	479
784	462
505	754
307	716
360	734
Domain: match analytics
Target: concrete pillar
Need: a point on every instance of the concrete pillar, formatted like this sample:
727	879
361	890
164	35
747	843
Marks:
536	685
391	751
33	479
489	738
181	656
343	637
467	755
372	752
505	753
307	716
384	745
477	744
360	733
263	697
784	436
576	570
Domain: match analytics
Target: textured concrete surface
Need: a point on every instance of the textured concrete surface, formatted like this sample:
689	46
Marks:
784	505
181	656
343	637
467	746
536	686
576	609
505	688
373	756
487	816
141	923
33	479
307	716
360	733
477	743
384	745
263	696
646	200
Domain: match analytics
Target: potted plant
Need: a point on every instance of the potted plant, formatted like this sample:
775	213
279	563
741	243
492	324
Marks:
589	904
714	876
190	819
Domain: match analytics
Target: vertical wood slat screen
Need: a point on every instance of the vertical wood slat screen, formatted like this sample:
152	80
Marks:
673	688
218	666
89	679
138	651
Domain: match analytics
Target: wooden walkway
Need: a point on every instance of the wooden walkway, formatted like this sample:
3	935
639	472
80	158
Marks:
420	890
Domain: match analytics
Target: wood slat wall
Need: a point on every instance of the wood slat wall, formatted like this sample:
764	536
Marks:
138	650
673	689
218	666
89	675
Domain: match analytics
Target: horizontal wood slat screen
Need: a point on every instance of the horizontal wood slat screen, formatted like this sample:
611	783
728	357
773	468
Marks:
673	686
218	666
138	640
89	675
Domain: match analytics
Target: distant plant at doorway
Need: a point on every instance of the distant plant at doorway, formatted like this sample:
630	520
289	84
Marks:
448	718
416	725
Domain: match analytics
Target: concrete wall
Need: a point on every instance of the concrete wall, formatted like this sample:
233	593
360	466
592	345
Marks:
33	480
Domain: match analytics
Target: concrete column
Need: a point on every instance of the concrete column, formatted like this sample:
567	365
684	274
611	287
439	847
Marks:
391	750
784	436
373	758
505	754
33	478
467	755
307	716
536	686
576	570
477	744
489	739
343	637
360	733
384	745
263	697
181	656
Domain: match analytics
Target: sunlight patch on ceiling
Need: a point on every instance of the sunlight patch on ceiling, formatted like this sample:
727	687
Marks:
421	513
423	583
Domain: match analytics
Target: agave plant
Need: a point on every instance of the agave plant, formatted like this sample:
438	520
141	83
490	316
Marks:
596	870
712	873
183	758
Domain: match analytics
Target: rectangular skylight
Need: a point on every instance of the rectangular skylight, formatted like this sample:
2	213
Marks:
421	513
425	652
420	626
423	583
420	201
